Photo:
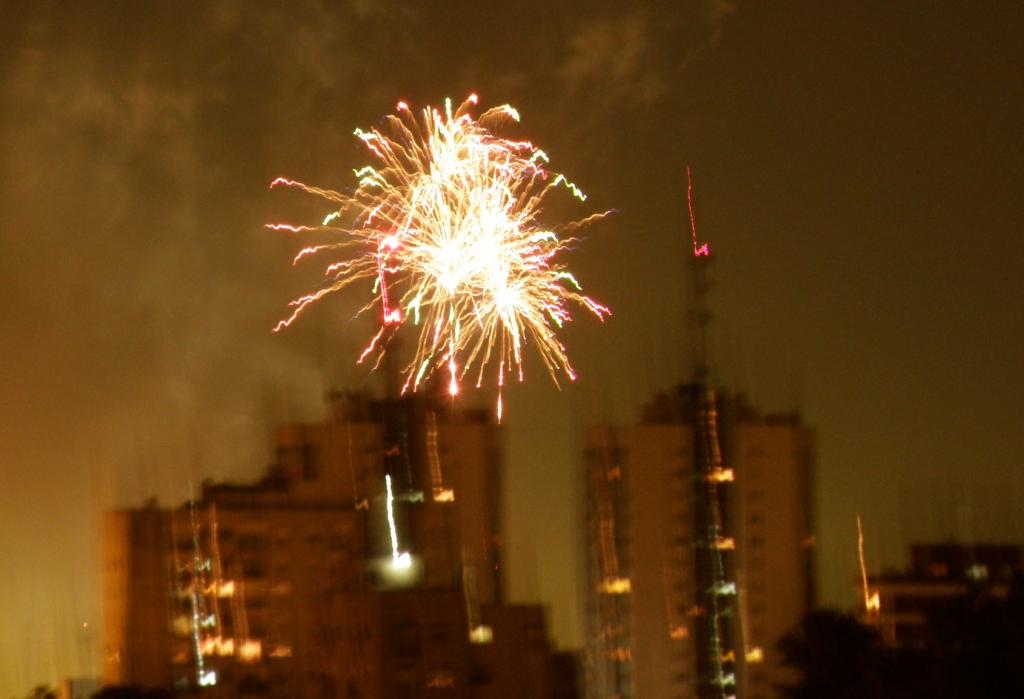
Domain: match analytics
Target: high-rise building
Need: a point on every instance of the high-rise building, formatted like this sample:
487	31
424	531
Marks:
698	536
136	604
445	470
647	540
365	563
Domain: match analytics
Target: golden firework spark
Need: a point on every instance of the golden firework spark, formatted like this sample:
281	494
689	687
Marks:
446	226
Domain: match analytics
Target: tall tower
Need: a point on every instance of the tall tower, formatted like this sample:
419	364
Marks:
698	536
717	628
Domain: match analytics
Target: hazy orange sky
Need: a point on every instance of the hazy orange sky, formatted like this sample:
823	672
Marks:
857	174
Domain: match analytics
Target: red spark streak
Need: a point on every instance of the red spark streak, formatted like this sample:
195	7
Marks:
702	250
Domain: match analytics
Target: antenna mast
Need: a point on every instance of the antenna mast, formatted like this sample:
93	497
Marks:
700	313
716	653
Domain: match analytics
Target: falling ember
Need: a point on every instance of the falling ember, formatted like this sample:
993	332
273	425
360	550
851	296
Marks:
872	602
445	226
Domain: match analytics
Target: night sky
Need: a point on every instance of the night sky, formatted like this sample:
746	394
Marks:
857	174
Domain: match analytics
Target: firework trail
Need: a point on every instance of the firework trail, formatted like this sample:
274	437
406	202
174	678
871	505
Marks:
445	226
872	601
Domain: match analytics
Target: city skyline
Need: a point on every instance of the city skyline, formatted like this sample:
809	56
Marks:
856	173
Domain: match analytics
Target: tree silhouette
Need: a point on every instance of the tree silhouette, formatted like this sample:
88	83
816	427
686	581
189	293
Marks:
974	647
977	645
838	658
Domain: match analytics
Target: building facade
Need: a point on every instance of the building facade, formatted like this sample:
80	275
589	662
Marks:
645	601
365	563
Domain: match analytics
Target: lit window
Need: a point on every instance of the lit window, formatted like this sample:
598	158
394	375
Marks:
444	495
616	586
250	651
978	572
440	679
725	588
622	655
481	634
721	475
182	625
280	651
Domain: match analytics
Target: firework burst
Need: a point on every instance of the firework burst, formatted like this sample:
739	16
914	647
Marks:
445	227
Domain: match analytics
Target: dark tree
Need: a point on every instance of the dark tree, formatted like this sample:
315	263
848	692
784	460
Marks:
977	645
837	657
974	647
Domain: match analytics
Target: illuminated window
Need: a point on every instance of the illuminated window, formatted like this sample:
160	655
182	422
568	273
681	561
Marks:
182	625
721	475
978	572
440	679
616	586
250	651
280	651
621	655
725	588
481	634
